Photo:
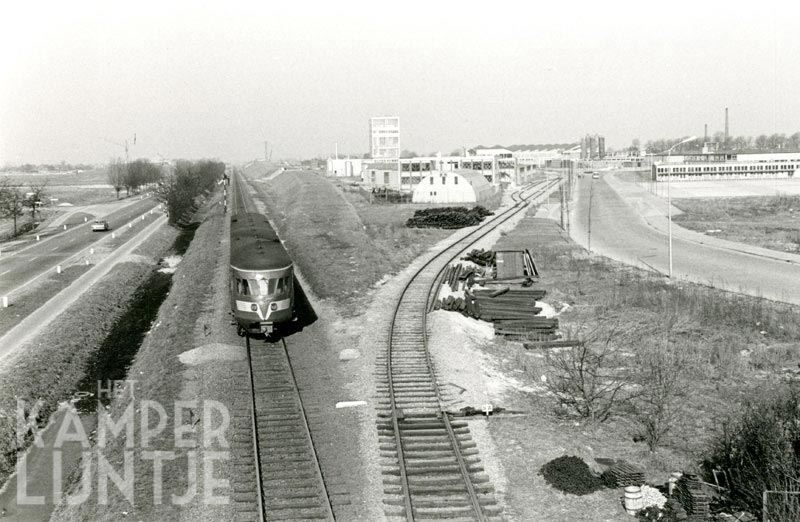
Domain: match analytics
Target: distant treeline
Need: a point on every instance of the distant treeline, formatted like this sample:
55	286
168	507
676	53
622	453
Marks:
46	167
132	175
761	143
186	182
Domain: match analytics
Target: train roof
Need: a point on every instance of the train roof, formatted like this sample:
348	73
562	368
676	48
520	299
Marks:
255	245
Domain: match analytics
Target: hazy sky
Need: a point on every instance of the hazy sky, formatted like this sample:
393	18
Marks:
216	79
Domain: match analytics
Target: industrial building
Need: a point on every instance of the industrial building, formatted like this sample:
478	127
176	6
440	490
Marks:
384	133
593	147
459	186
344	167
726	165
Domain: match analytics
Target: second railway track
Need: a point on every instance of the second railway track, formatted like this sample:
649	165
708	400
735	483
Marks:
432	470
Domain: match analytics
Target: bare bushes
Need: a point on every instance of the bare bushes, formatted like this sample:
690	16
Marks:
610	370
189	180
758	449
589	379
662	372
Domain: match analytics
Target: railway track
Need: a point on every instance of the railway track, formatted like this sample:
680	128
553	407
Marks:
281	476
432	470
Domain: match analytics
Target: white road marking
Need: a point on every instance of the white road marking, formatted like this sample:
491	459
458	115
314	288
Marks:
4	273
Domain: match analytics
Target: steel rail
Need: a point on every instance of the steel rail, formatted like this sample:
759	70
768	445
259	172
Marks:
256	448
265	512
471	238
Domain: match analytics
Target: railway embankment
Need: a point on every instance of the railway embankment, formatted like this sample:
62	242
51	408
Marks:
159	380
342	244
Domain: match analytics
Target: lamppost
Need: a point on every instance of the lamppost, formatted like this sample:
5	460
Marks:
669	200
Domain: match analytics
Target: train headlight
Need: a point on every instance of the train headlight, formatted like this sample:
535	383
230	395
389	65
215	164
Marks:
273	306
254	307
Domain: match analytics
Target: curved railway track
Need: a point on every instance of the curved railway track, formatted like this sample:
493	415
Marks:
432	470
287	481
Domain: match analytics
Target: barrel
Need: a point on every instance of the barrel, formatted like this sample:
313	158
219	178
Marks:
633	499
673	480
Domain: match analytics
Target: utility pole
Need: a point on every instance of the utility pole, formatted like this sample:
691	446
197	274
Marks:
591	196
266	154
563	202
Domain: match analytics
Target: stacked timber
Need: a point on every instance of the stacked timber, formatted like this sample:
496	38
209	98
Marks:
689	493
508	303
540	328
623	474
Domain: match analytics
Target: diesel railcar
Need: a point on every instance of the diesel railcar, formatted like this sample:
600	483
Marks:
261	276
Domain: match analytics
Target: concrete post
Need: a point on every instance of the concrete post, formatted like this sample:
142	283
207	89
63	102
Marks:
5	301
58	269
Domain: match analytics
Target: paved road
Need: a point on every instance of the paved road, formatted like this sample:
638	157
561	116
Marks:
20	266
629	225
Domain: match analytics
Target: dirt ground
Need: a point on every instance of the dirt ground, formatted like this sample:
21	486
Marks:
738	345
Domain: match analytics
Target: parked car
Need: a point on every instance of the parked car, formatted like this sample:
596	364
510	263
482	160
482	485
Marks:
100	225
595	176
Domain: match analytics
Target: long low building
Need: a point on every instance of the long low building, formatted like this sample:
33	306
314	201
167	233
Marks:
727	166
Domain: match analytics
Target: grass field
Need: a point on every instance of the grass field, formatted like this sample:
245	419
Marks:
734	347
767	221
89	177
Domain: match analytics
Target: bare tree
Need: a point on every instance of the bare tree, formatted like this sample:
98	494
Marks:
794	140
11	198
35	199
662	374
116	175
589	378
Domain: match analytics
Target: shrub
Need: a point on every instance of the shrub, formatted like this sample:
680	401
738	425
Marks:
658	514
759	448
571	475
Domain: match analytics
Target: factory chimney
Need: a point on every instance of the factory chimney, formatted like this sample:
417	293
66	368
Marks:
726	128
705	134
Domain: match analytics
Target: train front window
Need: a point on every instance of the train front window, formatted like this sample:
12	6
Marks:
262	286
272	284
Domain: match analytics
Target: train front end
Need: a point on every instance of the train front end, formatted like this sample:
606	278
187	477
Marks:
262	278
261	300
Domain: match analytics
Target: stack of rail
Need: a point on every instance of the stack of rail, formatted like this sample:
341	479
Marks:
689	493
459	276
514	312
623	474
